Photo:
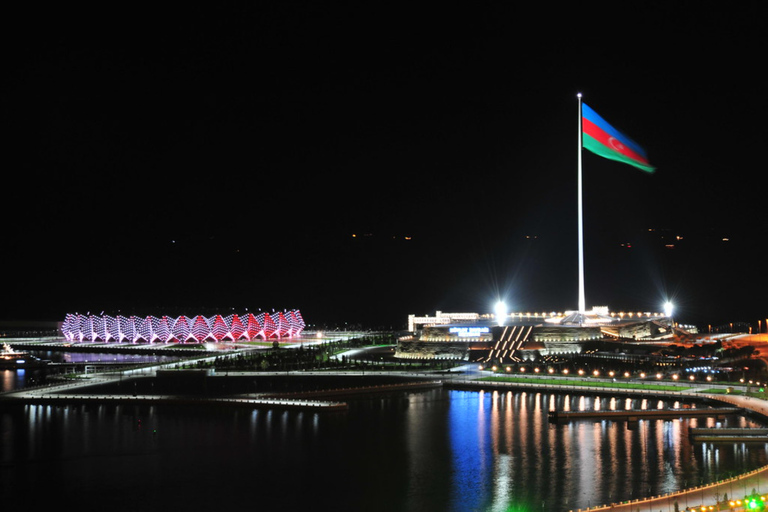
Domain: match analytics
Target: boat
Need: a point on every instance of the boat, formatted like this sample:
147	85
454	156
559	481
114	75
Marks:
12	359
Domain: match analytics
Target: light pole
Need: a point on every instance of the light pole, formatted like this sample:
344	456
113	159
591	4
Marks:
668	309
501	312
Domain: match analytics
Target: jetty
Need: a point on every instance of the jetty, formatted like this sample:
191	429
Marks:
243	402
321	400
638	414
357	390
716	434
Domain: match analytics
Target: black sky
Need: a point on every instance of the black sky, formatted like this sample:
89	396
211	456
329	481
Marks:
217	157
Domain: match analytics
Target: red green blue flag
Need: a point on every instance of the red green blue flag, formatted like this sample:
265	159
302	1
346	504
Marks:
603	139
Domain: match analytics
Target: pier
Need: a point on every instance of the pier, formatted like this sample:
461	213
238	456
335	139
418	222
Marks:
638	414
359	390
321	400
244	402
728	434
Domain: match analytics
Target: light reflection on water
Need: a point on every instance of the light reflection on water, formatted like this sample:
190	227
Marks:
503	444
438	450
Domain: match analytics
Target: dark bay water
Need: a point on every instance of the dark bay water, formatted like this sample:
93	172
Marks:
437	450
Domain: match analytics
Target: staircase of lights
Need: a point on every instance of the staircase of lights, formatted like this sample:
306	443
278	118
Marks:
78	328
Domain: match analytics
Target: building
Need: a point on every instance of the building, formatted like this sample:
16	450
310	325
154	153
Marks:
520	336
418	322
78	328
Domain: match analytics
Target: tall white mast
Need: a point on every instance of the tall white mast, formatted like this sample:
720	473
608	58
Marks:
582	297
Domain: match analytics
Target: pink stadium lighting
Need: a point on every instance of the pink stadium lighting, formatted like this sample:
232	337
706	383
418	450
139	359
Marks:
79	328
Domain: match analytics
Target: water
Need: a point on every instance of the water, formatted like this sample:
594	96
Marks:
437	450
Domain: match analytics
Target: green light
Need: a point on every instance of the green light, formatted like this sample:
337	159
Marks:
518	507
752	504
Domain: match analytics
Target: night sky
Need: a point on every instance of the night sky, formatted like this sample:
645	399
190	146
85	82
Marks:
362	161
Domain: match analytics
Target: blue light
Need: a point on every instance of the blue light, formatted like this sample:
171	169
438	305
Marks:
468	331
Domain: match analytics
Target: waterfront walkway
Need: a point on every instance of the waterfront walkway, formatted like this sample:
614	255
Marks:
703	498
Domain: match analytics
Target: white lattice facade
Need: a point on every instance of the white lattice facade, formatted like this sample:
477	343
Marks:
184	329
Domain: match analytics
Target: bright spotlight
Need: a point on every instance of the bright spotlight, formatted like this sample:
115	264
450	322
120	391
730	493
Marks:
668	309
501	313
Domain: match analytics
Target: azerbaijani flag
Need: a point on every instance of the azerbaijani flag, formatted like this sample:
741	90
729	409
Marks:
603	139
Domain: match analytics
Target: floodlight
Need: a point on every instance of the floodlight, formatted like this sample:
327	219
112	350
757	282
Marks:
501	312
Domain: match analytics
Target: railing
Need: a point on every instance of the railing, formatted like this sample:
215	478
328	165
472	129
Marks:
674	494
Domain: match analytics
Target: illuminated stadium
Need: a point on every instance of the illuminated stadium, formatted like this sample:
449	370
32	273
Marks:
521	336
78	328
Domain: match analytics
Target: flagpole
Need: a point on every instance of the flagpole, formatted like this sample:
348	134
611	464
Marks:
582	297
